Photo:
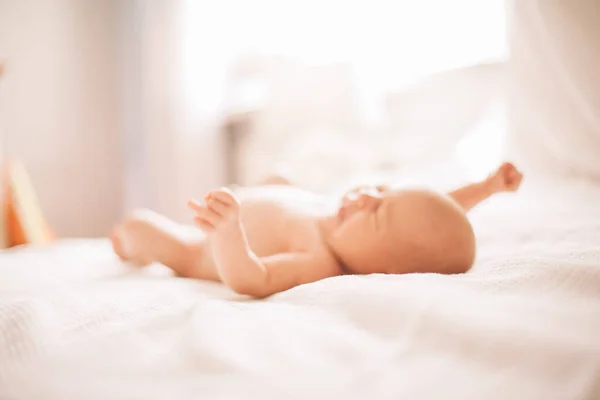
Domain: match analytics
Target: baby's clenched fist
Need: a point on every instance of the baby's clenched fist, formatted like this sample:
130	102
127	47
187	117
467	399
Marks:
221	209
506	178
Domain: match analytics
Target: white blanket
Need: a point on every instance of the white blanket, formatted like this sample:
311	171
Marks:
75	323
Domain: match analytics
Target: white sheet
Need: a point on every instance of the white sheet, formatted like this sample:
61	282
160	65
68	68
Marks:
523	324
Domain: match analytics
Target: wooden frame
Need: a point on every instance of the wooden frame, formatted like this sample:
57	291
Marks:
3	219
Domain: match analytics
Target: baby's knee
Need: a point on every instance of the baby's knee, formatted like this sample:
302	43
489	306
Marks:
142	214
276	179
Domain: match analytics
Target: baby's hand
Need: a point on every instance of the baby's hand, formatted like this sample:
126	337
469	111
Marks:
356	191
222	210
506	178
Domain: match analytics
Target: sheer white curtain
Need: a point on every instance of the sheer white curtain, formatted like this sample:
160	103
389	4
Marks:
555	107
172	141
389	43
177	56
409	37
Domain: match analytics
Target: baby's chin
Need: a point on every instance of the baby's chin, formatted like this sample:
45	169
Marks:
340	215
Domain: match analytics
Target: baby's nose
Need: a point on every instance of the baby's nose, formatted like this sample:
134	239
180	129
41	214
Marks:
347	201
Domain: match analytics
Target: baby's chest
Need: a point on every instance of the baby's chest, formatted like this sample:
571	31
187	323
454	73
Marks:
274	228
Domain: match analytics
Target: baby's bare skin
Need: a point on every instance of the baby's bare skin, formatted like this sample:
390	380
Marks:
267	239
280	224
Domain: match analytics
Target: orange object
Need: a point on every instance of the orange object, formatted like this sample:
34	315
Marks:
25	222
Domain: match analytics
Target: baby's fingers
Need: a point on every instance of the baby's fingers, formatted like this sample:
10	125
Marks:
208	215
519	178
194	205
225	195
217	206
204	225
515	175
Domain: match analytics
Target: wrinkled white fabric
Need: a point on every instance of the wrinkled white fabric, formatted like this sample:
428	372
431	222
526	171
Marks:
76	323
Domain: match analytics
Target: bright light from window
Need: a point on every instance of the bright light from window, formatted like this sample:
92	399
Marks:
389	42
483	148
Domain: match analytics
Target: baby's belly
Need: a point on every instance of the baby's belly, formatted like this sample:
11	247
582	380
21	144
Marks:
278	219
265	226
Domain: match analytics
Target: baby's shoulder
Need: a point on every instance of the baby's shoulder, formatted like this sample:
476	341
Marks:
274	193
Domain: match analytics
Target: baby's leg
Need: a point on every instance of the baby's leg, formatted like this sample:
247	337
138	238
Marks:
148	237
276	179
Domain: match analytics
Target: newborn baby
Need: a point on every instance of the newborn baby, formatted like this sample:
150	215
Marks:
266	239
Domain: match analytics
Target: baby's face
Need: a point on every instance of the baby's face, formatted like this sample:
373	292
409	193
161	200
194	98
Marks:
365	228
402	231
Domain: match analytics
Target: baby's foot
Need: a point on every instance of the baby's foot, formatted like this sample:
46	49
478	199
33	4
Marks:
132	241
116	245
505	179
147	237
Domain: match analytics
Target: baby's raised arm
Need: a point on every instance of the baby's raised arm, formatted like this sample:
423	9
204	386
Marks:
505	179
238	267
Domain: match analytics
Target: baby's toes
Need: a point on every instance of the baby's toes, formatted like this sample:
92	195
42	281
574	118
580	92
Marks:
117	246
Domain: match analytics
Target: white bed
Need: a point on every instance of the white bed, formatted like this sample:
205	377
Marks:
75	323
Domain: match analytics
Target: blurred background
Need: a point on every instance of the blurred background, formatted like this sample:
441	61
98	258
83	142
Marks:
113	105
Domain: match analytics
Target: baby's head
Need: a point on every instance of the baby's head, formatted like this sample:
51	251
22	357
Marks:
402	232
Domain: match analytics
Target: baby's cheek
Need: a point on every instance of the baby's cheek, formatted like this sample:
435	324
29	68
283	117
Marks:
344	234
353	236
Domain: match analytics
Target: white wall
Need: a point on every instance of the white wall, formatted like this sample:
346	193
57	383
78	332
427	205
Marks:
169	90
59	110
